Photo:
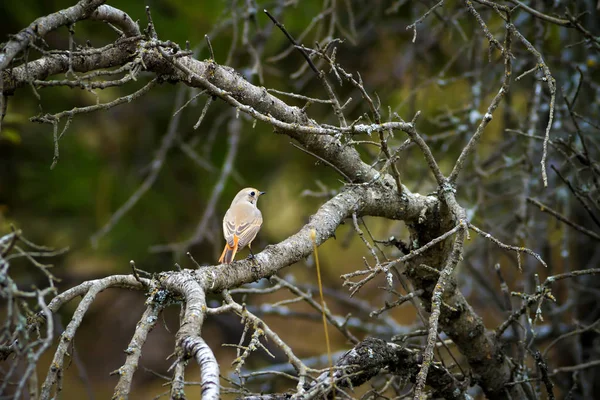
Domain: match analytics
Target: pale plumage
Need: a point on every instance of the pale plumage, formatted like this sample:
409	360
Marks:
241	223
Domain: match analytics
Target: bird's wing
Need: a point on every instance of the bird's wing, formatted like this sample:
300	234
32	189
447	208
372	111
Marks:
229	228
245	228
247	231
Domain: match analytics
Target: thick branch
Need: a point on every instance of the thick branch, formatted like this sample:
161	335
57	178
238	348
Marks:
372	356
225	83
375	200
189	343
116	17
43	25
119	53
456	316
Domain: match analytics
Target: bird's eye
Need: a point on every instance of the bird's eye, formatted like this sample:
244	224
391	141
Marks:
252	194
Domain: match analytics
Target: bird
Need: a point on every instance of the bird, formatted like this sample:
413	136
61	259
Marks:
241	223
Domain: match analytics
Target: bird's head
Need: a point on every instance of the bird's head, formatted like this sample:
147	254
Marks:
250	195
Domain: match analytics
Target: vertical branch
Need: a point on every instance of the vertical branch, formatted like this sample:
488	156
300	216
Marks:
436	304
188	342
46	343
470	147
3	101
551	82
178	383
134	351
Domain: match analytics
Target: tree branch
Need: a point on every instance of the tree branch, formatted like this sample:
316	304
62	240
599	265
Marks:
42	26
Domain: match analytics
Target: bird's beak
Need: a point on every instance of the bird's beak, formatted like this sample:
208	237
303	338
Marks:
261	193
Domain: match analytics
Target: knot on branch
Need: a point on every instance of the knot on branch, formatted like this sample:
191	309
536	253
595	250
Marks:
365	361
373	355
190	346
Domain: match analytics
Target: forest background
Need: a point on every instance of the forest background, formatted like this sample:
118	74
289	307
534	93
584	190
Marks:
443	68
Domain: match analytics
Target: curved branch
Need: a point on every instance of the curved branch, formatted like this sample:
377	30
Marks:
116	17
374	200
189	343
117	281
427	217
55	372
42	26
192	285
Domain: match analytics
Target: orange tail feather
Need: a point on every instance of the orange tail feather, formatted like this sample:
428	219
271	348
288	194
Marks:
229	251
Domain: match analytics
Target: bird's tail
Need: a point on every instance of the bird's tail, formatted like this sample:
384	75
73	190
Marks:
229	251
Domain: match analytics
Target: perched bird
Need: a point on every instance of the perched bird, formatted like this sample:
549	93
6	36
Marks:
241	223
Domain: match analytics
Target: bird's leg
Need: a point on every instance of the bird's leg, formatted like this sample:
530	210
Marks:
252	256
